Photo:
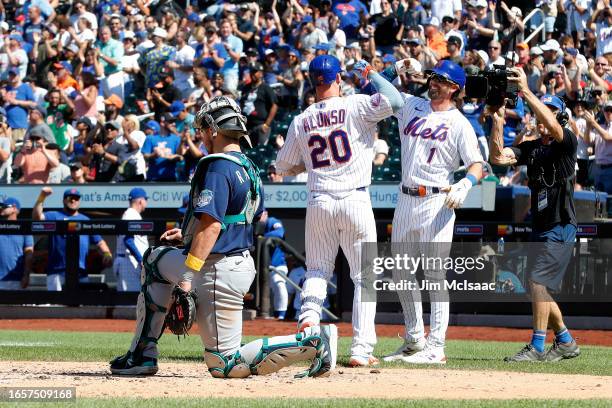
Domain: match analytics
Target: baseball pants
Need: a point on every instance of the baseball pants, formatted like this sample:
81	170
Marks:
424	225
128	275
345	220
279	287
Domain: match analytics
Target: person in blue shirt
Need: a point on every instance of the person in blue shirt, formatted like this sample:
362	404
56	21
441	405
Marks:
278	265
350	12
160	150
184	119
56	264
18	98
225	199
15	251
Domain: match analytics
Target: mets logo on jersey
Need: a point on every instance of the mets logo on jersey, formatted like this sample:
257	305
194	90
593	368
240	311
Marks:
416	128
204	198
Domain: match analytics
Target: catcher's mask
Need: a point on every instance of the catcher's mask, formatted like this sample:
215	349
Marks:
223	115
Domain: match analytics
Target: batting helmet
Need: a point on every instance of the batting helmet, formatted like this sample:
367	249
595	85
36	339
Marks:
449	70
222	113
324	68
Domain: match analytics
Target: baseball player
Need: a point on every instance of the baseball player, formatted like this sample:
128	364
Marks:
217	232
333	140
278	265
434	137
130	248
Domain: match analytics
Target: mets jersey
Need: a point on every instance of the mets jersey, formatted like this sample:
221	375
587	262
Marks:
433	143
333	139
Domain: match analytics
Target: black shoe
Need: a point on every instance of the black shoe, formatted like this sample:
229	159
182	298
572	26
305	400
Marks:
128	364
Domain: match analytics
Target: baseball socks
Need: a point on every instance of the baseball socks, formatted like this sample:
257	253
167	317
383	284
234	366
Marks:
563	336
538	340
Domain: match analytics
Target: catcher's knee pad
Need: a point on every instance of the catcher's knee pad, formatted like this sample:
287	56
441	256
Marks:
272	358
150	259
220	366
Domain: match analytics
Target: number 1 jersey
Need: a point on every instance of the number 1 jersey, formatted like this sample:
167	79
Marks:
334	140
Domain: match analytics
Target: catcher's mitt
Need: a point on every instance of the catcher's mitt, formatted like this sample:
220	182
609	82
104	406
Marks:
182	311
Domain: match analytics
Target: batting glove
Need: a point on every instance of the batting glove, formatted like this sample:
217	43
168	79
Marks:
457	193
363	68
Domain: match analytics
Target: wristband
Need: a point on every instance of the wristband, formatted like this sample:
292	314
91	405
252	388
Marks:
194	263
472	179
366	71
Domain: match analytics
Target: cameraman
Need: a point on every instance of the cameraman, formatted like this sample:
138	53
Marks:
551	161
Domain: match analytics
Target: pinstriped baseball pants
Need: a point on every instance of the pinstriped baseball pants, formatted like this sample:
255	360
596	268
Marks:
342	220
416	222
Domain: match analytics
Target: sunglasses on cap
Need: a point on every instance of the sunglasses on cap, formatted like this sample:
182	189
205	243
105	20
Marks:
440	78
73	198
4	205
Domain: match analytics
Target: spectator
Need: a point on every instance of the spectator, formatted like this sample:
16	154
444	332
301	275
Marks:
112	108
81	11
37	123
244	25
182	64
291	78
480	30
60	173
106	153
155	59
18	98
160	151
578	124
111	52
228	55
129	63
17	56
350	13
132	166
62	130
84	104
34	25
15	251
56	264
6	150
131	248
453	49
336	38
386	28
414	15
273	176
601	23
599	72
258	105
192	149
310	35
534	69
63	76
34	160
163	93
184	119
434	38
76	173
599	133
38	92
494	52
446	8
577	12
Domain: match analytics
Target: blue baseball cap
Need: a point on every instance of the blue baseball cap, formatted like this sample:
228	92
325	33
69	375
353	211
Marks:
324	68
306	19
153	125
16	37
72	192
11	202
137	192
552	101
389	58
176	108
322	46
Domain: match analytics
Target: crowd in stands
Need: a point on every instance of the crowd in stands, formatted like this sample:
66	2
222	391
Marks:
107	90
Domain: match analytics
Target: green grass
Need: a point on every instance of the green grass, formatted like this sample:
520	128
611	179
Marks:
312	403
461	354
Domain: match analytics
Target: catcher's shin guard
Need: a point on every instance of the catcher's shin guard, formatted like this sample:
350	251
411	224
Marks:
281	351
152	303
220	366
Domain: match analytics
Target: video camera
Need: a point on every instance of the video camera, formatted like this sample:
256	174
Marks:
493	86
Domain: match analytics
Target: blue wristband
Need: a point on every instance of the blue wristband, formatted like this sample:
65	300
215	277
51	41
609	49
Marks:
472	179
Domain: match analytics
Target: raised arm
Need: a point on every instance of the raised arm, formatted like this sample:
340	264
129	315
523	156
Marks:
498	154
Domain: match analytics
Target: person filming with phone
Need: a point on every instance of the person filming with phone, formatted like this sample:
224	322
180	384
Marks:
34	160
551	162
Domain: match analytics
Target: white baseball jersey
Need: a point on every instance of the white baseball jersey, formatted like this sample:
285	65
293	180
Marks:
334	140
141	241
433	143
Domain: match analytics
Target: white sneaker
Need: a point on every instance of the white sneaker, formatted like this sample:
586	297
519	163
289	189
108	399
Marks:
429	355
407	349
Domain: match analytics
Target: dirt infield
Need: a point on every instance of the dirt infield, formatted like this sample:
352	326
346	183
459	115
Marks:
268	327
190	379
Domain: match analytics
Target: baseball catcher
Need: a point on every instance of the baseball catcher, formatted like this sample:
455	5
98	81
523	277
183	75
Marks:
226	197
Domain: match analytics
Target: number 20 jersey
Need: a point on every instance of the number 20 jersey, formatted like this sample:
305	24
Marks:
334	139
433	143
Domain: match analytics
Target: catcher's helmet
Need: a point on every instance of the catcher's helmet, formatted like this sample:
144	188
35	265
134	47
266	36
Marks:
324	68
449	70
222	113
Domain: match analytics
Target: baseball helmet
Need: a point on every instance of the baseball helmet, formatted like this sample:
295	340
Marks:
449	70
222	113
324	68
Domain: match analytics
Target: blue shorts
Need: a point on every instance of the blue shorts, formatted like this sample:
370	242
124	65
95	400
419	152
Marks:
553	253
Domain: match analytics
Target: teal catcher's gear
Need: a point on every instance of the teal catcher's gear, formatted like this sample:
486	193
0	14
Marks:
251	203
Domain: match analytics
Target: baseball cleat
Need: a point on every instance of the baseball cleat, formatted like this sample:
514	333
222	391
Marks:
407	349
363	361
527	353
560	351
429	355
325	361
127	365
